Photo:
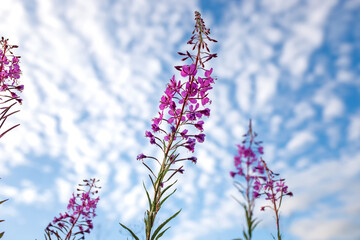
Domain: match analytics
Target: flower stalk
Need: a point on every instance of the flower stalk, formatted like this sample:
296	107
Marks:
9	83
274	189
183	105
248	168
78	220
9	76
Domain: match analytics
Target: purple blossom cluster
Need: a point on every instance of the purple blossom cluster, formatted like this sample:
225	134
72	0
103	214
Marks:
9	85
185	105
248	169
184	102
272	187
78	220
247	161
9	71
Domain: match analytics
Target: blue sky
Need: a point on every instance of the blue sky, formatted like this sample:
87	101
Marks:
94	72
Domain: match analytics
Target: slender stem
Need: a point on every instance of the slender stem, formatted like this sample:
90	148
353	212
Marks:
273	200
165	165
68	236
250	208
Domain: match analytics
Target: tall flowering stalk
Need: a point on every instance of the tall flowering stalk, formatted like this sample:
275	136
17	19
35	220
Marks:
78	220
179	124
9	82
248	169
9	86
274	189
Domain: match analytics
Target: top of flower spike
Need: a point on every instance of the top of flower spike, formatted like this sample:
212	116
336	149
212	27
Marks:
248	155
200	26
184	101
199	34
9	70
81	211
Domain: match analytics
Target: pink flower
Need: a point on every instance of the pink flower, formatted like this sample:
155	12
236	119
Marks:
261	150
81	211
188	70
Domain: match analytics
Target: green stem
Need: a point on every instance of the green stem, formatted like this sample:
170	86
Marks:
155	205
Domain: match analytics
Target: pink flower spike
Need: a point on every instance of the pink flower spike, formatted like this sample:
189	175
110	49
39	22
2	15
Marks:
81	209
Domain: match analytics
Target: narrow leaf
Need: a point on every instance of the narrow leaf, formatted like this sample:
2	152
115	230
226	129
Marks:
168	187
162	233
161	203
131	232
148	196
163	224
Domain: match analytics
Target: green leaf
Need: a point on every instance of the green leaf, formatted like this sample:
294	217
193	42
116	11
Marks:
162	233
163	224
245	235
255	224
148	196
161	203
168	187
131	232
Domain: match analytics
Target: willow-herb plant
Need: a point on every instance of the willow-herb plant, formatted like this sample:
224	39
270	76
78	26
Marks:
78	220
274	189
9	83
9	87
182	109
248	169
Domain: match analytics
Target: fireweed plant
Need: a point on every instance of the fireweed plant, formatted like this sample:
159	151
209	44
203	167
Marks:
78	220
9	87
178	125
274	189
9	82
248	169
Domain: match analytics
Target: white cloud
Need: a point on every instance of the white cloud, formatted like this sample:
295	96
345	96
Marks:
64	190
324	228
307	35
353	131
27	193
279	5
266	86
299	141
333	133
207	162
275	124
333	106
244	91
302	112
320	180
